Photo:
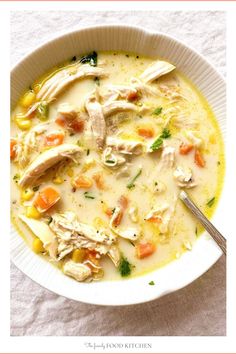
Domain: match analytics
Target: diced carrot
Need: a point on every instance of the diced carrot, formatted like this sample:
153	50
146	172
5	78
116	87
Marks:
118	218
109	212
132	96
46	198
145	249
123	201
77	125
156	219
146	132
99	180
82	181
198	159
13	149
54	139
61	121
184	149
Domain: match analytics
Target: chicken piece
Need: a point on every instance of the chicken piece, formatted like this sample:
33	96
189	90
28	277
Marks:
57	83
167	157
157	212
71	234
117	106
163	215
78	271
111	93
129	233
184	177
67	111
114	254
46	160
97	119
125	146
112	160
43	232
155	70
143	88
27	143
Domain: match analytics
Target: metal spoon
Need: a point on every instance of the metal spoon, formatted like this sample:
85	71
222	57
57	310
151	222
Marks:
215	234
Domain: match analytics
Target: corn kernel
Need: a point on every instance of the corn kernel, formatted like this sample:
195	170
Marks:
27	194
58	180
32	212
99	223
38	246
28	99
212	139
78	255
70	172
23	124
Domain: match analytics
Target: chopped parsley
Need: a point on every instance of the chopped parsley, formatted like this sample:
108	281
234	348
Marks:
49	220
151	283
88	152
157	111
124	267
211	202
159	141
16	177
88	196
131	183
110	161
165	134
91	59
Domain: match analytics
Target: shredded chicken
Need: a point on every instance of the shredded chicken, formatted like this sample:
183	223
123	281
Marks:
54	85
46	160
164	213
167	157
130	233
193	138
111	93
97	119
67	111
184	177
78	271
27	143
125	146
72	234
155	70
133	213
112	107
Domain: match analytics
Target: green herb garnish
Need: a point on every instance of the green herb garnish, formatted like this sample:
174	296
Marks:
151	283
16	177
49	220
88	152
124	267
91	58
42	111
131	183
165	133
211	202
159	141
157	111
88	196
110	161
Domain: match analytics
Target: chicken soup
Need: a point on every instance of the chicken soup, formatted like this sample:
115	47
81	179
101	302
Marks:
101	147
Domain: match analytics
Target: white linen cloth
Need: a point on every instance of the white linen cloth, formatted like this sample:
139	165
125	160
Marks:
197	310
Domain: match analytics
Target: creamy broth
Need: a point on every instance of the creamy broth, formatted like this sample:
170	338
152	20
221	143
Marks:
181	147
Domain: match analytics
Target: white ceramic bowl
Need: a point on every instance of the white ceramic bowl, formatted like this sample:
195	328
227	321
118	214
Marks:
131	39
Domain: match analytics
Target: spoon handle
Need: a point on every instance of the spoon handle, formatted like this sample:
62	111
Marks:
215	234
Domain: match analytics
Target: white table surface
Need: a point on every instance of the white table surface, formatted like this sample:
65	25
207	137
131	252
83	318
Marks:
197	310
